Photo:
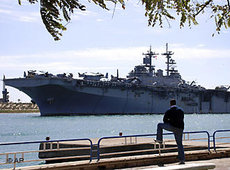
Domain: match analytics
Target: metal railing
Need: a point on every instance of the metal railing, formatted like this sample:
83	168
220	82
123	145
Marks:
47	146
159	148
199	132
215	138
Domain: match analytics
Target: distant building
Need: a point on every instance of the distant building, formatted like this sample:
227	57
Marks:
5	96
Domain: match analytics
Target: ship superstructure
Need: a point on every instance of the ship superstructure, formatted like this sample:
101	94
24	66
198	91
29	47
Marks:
145	90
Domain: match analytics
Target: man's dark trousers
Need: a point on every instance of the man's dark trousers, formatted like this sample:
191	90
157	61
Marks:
178	134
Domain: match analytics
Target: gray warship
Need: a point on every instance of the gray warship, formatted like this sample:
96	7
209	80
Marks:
145	90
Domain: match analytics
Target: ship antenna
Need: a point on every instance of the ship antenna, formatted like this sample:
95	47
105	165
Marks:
170	62
147	60
168	57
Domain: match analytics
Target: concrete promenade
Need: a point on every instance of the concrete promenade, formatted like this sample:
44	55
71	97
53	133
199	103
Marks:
220	164
135	163
195	159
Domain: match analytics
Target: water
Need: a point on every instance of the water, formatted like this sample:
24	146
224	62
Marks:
30	126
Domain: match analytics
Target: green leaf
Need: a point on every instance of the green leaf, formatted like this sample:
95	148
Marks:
229	22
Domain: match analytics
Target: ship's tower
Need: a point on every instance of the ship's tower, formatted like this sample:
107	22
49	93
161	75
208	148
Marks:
147	60
170	62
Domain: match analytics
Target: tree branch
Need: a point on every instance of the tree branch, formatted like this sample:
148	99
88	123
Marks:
204	6
228	4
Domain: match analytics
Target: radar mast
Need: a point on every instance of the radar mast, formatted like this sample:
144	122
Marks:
147	60
170	62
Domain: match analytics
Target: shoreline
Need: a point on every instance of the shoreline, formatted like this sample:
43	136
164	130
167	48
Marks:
33	108
18	108
18	111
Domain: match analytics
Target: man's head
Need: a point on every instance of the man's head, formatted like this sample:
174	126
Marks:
172	102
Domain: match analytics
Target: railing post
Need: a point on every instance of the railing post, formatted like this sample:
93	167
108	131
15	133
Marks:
44	146
7	158
159	149
208	141
214	141
14	160
23	156
58	145
98	149
91	150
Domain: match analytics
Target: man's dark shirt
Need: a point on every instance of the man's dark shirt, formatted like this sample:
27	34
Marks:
175	117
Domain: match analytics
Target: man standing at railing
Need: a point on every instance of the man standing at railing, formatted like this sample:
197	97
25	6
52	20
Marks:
174	122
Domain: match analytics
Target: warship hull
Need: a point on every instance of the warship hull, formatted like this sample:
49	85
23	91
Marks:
56	97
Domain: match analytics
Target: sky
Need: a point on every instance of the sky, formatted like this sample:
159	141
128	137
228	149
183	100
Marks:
98	41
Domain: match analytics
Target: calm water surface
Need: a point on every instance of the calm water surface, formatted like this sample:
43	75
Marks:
30	126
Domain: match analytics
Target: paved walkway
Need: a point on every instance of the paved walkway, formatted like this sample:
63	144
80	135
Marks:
194	154
221	164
